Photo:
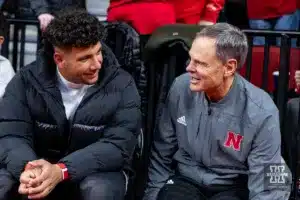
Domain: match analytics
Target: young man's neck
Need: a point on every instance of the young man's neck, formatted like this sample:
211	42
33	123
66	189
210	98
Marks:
220	92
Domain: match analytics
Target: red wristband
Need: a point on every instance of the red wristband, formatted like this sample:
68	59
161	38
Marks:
64	170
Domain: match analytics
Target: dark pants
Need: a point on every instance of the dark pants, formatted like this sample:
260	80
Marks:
104	186
7	186
179	188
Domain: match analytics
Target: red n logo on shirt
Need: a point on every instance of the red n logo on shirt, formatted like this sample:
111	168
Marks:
233	141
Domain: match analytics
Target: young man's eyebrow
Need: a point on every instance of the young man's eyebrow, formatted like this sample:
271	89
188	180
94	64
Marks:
84	57
89	55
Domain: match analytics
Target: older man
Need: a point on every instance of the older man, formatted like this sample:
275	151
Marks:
219	136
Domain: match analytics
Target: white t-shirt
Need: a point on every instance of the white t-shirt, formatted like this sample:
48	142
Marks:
71	93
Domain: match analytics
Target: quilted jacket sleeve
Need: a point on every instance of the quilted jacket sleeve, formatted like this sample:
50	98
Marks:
15	128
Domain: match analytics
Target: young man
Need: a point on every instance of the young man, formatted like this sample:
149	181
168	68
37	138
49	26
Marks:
6	70
64	126
219	136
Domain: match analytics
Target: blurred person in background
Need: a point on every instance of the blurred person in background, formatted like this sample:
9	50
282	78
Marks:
147	15
272	15
297	81
6	70
45	10
202	12
144	16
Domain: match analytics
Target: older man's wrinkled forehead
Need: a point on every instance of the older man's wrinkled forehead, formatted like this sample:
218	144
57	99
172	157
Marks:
203	48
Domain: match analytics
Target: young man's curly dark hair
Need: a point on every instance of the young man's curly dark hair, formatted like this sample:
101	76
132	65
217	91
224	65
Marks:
74	28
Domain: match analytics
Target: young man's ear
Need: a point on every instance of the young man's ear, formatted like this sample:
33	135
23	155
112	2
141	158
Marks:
1	40
58	58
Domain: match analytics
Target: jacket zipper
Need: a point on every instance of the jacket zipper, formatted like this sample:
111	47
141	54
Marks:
71	120
207	119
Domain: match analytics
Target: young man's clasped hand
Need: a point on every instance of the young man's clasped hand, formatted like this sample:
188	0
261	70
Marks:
39	178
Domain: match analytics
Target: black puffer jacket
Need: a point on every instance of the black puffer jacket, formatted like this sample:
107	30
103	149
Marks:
100	137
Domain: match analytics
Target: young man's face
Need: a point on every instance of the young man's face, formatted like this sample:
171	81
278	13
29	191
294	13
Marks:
206	70
80	65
